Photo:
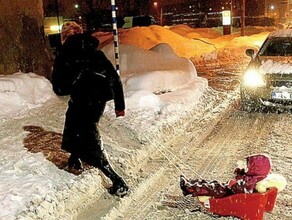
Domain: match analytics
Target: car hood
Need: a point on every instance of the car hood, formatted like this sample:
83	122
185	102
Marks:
275	59
274	65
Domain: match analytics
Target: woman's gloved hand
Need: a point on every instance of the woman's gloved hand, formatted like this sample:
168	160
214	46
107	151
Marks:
120	113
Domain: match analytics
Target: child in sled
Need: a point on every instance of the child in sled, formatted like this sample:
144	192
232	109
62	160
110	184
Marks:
258	167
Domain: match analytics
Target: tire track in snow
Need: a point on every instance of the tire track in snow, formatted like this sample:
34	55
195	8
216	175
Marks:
156	185
253	136
227	139
139	209
232	140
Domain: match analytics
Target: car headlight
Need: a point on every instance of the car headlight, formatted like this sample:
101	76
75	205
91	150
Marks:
253	78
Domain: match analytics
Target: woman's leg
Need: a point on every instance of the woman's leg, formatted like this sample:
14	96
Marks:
119	186
75	162
95	155
70	140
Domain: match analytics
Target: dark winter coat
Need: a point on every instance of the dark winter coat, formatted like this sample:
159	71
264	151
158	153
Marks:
84	73
80	59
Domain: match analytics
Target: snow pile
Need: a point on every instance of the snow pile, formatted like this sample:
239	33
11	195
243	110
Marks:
23	91
156	78
187	42
195	43
135	61
26	177
191	33
148	37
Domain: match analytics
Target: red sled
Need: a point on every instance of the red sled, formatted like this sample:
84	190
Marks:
244	206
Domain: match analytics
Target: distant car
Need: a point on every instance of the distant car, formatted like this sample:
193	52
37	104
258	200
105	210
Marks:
142	20
267	81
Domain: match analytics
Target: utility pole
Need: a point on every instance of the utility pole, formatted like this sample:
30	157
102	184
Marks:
116	35
161	15
231	12
243	18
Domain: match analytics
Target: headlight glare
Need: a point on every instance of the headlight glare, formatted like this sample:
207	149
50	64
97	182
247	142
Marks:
253	78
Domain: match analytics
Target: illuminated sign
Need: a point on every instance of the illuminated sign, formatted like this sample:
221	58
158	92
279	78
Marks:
226	17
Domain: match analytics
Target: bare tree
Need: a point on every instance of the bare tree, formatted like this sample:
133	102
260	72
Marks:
22	42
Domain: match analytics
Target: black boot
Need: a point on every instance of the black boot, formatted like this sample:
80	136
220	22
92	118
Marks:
119	187
74	162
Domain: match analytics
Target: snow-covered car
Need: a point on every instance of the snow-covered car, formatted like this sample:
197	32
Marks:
267	81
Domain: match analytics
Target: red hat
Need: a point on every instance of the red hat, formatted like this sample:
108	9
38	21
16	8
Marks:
258	165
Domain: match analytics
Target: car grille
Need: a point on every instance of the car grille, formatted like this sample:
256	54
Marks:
279	80
279	83
277	103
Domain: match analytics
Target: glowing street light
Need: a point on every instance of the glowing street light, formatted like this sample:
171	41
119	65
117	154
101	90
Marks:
155	4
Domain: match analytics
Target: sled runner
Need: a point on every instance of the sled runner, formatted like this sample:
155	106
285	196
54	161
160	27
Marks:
244	206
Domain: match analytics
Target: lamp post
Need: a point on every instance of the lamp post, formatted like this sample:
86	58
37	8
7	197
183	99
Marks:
155	4
161	15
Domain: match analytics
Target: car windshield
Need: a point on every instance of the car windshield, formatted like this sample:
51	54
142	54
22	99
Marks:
278	46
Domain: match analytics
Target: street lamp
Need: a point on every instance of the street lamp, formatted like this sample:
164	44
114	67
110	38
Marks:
272	11
155	4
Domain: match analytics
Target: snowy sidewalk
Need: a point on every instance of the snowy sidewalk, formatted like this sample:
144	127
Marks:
32	185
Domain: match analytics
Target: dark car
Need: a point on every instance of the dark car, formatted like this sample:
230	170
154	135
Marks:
267	81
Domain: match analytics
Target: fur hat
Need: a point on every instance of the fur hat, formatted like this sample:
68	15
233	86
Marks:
272	180
70	28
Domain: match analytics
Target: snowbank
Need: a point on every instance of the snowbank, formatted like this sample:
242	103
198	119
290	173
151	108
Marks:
20	92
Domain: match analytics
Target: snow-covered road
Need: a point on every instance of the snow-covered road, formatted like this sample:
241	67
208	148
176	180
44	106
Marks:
212	152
